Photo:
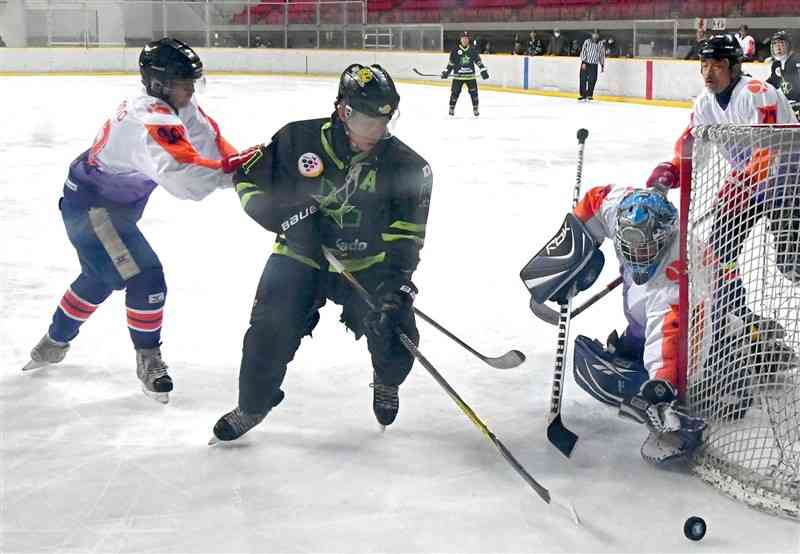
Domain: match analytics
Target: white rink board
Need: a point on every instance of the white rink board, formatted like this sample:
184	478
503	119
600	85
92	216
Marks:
672	80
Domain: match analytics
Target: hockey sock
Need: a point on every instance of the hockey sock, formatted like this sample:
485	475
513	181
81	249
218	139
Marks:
76	306
144	303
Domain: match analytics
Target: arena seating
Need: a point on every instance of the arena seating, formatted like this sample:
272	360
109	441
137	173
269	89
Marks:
436	11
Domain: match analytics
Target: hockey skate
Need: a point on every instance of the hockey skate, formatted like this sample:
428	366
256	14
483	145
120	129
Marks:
475	111
46	352
233	425
452	110
385	401
152	372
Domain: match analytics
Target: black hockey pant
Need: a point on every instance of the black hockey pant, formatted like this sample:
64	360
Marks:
588	79
285	310
455	91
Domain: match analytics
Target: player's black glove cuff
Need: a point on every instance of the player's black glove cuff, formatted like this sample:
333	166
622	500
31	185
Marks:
445	74
484	73
393	309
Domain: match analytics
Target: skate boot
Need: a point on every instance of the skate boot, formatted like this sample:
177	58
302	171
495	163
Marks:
47	352
475	111
233	425
385	401
152	372
452	110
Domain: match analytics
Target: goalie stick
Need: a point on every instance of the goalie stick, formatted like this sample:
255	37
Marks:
421	74
561	437
409	345
549	315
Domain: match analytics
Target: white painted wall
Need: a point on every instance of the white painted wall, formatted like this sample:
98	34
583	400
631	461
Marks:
672	80
12	23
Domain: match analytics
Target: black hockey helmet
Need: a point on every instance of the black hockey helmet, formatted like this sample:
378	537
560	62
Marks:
722	47
368	90
166	60
780	36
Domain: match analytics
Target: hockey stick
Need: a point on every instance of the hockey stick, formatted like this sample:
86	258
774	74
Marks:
543	493
509	360
415	70
561	437
549	315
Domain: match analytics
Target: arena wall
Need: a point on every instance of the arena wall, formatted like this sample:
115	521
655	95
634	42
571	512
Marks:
642	79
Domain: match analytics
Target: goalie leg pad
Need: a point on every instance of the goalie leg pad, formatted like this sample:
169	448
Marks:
607	377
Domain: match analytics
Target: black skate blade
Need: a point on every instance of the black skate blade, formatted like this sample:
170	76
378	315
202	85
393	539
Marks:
561	437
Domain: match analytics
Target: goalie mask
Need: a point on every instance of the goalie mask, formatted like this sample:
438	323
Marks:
646	226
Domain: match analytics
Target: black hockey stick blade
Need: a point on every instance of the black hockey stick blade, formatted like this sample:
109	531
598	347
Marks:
544	312
509	360
421	74
561	437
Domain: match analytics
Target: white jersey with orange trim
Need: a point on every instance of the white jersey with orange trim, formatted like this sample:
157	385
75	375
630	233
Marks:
652	308
752	102
181	151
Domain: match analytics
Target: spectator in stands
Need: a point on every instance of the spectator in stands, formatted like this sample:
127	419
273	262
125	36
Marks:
557	45
612	49
694	52
535	45
593	54
517	50
747	42
574	48
2	42
487	48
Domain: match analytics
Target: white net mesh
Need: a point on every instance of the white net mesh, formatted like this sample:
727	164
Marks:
743	254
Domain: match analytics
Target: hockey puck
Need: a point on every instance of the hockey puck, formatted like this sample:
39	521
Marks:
694	528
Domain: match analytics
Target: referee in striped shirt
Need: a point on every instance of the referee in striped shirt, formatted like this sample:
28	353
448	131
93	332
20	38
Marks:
593	53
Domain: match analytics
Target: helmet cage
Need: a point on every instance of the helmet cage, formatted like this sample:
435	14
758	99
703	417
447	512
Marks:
645	229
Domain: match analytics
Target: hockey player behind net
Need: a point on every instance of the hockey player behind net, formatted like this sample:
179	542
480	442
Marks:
158	137
761	185
635	372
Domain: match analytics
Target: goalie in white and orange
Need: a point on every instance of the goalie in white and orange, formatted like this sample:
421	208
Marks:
637	372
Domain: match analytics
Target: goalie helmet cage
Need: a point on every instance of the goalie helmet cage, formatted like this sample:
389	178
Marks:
740	216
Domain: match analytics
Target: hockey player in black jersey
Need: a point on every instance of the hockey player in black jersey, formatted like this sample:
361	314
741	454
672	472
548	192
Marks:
785	72
343	183
463	59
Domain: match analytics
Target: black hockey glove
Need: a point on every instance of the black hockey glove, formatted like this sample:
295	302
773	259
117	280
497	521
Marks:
393	307
445	74
484	73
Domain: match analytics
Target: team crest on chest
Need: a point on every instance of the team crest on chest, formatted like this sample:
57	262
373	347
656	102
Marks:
310	165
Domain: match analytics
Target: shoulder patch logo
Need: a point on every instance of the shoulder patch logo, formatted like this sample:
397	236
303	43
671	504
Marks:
310	165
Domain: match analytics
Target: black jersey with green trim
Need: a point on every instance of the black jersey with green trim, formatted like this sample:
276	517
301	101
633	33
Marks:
786	77
463	61
308	188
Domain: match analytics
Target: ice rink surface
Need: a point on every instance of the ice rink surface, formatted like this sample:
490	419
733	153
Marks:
89	464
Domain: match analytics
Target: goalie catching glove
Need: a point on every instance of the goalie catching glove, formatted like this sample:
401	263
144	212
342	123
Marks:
674	434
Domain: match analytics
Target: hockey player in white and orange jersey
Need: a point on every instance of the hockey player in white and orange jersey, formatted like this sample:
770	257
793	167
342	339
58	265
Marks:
637	372
160	137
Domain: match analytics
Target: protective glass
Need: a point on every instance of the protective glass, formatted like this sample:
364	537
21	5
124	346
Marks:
193	86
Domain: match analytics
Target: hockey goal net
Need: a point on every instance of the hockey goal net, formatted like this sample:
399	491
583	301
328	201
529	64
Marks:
740	206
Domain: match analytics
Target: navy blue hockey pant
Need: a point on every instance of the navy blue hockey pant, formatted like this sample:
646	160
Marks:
114	255
285	310
455	91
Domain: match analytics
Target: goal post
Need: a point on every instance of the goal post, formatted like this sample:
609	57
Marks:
740	299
